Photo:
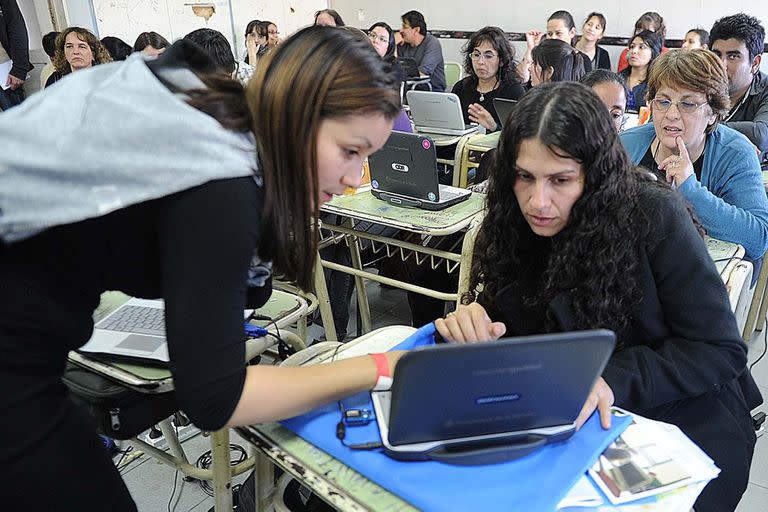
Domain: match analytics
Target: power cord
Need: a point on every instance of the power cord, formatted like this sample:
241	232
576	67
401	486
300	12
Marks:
173	491
765	346
175	480
283	349
205	461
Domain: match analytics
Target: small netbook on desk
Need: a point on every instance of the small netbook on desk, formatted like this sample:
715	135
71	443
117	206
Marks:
438	112
409	66
469	404
134	333
504	108
404	173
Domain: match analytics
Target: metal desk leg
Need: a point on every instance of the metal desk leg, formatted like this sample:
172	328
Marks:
757	309
324	303
467	251
166	427
222	474
265	483
362	296
460	172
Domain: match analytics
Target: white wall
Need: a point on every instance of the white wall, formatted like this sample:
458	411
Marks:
173	19
520	16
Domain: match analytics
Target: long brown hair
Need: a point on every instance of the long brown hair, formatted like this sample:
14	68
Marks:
319	73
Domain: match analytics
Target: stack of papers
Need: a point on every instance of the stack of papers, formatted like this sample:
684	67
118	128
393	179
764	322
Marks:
651	466
5	69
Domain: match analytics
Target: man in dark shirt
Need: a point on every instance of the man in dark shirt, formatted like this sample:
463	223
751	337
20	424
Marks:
424	48
739	41
14	46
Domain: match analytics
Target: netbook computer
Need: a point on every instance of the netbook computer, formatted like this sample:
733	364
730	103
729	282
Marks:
409	66
404	173
489	402
438	112
504	108
134	332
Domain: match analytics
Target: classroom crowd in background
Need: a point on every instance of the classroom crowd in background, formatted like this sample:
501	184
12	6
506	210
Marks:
622	249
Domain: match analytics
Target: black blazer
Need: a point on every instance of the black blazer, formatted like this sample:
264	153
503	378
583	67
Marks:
13	37
683	360
602	59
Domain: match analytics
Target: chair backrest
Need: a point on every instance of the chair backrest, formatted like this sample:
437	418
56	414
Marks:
452	74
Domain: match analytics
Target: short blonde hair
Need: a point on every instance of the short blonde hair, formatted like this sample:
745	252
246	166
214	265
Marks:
697	70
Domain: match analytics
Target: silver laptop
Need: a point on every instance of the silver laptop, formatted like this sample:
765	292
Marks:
134	332
489	402
438	112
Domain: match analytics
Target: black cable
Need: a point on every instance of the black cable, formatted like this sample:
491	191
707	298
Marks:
283	349
341	430
765	347
205	461
175	480
124	453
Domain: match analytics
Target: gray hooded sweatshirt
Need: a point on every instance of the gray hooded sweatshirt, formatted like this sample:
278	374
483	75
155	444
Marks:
103	139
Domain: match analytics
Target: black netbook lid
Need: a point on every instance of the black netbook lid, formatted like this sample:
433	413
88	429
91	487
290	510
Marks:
504	108
455	391
409	66
406	166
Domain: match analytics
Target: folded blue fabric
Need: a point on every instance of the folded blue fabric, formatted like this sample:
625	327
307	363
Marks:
536	482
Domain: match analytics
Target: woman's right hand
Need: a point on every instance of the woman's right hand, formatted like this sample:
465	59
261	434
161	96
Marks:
251	45
469	324
533	38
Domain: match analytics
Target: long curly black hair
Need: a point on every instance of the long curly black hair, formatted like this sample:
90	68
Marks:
595	257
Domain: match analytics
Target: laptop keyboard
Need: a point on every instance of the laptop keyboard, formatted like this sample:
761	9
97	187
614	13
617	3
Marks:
447	193
137	319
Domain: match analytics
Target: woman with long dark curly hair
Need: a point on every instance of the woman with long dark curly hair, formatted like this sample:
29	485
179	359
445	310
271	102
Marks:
491	73
576	238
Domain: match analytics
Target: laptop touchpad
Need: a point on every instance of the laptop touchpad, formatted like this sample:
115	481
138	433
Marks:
141	343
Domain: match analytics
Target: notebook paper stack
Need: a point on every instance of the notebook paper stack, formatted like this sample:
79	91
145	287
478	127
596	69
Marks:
650	466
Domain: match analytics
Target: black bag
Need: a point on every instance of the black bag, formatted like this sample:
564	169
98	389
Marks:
121	412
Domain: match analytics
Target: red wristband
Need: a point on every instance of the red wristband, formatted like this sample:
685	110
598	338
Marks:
383	373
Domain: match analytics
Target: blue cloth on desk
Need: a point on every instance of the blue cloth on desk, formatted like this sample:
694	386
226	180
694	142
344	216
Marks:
536	482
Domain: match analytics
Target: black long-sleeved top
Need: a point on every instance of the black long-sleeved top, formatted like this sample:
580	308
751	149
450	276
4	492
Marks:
682	358
466	90
192	249
14	38
751	116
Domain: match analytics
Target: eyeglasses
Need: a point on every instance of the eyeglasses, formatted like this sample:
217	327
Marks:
374	37
274	32
686	107
482	56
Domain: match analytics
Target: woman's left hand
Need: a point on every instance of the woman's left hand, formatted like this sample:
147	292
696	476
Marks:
678	167
601	398
479	115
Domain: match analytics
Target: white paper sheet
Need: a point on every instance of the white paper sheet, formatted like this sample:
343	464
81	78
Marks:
5	69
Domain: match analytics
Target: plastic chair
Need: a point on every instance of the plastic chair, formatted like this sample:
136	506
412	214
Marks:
452	74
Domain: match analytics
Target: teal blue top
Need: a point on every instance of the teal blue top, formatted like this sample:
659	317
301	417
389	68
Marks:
730	200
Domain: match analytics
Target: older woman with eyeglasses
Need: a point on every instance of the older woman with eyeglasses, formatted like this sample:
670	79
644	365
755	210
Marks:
491	73
714	167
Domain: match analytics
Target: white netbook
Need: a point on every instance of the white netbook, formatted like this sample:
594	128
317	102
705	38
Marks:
134	332
438	112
